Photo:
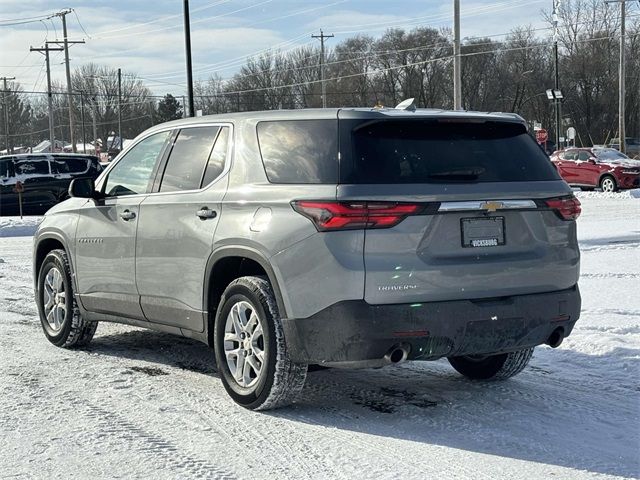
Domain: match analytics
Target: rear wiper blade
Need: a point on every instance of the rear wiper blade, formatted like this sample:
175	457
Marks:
466	174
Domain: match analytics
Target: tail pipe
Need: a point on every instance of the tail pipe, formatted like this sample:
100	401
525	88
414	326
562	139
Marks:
398	353
556	338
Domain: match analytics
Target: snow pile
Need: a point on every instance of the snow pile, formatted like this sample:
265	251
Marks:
18	227
139	404
635	193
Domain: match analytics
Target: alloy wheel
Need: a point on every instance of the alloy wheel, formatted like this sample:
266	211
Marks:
55	299
608	185
244	344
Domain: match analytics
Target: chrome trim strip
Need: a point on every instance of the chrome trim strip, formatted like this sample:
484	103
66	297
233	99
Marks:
484	204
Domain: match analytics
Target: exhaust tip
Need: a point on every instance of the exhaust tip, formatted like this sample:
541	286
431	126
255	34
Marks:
397	353
556	338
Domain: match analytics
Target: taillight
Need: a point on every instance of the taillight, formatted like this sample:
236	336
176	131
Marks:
328	215
567	208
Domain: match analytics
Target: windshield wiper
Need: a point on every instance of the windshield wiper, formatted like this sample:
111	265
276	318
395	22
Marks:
468	174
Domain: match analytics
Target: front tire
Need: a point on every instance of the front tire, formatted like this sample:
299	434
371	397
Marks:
492	367
59	315
250	348
608	184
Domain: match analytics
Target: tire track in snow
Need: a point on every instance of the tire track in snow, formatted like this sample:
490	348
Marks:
157	447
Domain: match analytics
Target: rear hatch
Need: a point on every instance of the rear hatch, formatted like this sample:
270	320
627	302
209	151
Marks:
475	208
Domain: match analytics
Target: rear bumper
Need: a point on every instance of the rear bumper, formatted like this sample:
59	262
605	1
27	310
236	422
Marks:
357	334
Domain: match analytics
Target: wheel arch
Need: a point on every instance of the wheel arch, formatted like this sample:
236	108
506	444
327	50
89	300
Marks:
45	244
227	264
605	175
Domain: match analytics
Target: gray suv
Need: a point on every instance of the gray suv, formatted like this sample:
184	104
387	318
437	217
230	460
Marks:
339	237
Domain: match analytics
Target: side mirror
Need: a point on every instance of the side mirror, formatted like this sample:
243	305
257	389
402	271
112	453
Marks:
83	187
592	161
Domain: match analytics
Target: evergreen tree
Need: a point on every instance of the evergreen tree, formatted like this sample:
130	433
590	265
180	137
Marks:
168	109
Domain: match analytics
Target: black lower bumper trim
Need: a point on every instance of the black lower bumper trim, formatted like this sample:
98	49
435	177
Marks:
355	331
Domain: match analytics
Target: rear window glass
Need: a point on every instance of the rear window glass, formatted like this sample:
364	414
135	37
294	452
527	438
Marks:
69	165
32	167
299	151
188	158
215	165
417	151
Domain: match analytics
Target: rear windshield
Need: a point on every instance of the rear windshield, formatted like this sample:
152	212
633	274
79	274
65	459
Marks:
430	151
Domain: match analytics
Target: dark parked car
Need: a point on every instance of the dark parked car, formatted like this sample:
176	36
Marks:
589	168
44	177
631	146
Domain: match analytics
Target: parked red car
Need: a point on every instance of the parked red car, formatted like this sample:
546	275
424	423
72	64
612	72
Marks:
590	168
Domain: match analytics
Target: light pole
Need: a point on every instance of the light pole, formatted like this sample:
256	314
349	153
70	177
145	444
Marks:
555	95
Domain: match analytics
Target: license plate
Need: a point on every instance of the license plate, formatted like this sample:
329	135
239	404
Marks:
482	232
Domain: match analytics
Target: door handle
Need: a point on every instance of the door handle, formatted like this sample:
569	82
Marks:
204	213
127	215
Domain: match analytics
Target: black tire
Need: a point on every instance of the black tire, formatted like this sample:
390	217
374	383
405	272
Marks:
607	180
280	380
492	367
73	330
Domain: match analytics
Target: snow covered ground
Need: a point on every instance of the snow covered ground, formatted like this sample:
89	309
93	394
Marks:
139	404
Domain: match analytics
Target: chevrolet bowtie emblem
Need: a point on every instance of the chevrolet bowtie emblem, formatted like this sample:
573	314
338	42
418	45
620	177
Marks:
491	206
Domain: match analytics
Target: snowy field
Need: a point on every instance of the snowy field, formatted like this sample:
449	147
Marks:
139	404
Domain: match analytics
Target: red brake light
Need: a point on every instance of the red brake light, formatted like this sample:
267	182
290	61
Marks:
567	208
327	215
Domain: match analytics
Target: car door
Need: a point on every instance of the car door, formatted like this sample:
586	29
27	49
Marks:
8	197
106	232
588	171
177	224
40	191
567	166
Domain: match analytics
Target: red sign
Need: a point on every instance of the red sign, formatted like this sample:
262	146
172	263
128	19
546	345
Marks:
542	135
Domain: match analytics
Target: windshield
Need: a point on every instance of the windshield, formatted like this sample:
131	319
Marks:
442	151
610	155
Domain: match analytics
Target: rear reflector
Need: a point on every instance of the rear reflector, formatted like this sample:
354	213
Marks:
328	215
567	208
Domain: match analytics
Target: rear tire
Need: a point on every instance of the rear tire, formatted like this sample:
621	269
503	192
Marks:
492	367
59	314
250	348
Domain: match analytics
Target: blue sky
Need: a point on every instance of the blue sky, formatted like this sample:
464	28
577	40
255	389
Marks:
146	38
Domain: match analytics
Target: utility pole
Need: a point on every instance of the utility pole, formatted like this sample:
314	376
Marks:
457	82
322	36
65	41
84	140
187	46
120	108
5	102
46	49
94	100
621	79
621	86
556	4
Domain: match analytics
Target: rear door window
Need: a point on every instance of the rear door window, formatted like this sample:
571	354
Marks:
217	158
444	151
583	156
188	159
69	165
299	151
